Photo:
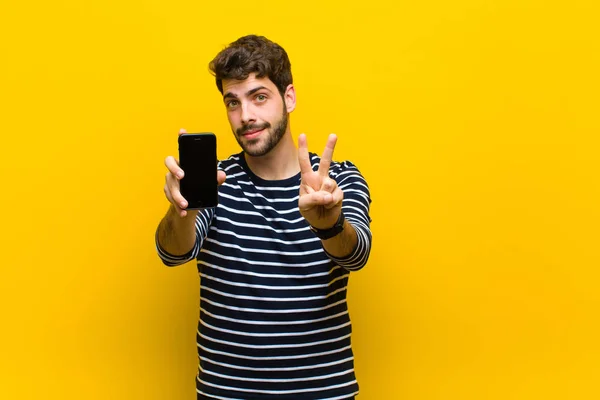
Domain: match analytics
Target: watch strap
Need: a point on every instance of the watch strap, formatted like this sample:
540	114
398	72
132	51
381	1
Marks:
330	232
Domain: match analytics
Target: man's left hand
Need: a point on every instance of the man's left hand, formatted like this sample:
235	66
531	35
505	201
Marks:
320	201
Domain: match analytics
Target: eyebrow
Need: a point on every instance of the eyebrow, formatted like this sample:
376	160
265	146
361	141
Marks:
230	95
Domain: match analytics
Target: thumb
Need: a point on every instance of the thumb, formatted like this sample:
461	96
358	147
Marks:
221	176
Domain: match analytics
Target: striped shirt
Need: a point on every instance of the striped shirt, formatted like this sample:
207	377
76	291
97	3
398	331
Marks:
274	321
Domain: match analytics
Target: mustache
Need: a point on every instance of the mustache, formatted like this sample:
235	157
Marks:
254	127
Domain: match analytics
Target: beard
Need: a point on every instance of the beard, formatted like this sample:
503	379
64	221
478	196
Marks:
252	147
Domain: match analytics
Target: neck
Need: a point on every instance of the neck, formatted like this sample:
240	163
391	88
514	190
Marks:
280	163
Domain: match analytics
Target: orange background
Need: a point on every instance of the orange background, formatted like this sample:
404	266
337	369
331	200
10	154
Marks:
475	123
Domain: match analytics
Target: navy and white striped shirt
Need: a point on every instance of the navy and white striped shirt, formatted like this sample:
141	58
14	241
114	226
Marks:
274	322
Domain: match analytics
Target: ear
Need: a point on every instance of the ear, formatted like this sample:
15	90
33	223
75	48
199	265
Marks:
290	98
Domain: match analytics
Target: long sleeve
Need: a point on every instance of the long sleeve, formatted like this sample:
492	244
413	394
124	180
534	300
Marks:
202	223
355	206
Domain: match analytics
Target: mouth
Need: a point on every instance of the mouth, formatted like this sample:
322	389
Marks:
251	134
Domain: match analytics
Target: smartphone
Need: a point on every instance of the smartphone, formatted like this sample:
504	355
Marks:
198	160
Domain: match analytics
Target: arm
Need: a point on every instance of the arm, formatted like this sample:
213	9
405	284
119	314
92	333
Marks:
180	233
176	235
179	239
356	237
343	244
323	199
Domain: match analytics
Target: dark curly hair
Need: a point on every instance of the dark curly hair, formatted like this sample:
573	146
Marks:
253	54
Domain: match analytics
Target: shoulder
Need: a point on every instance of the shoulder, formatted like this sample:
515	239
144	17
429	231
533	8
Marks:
336	168
347	175
232	162
343	167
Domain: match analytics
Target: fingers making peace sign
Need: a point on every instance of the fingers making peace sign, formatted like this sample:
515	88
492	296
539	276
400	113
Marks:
320	201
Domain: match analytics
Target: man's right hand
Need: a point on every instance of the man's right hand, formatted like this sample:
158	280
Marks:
172	187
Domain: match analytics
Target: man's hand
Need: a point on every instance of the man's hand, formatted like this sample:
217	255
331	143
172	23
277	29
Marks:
172	186
320	201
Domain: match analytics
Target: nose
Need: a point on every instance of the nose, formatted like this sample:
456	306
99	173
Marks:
247	115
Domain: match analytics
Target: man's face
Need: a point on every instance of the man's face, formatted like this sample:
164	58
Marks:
257	113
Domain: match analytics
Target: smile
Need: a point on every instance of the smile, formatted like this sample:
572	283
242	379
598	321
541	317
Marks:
252	134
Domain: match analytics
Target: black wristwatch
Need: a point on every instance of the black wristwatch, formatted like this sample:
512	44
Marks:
331	232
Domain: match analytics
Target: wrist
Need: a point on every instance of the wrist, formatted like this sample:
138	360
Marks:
330	232
174	214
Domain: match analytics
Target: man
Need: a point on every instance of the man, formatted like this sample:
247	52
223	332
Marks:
275	255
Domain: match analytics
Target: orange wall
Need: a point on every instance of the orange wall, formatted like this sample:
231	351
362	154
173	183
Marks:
475	123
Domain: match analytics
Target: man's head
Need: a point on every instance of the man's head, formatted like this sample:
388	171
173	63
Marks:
254	75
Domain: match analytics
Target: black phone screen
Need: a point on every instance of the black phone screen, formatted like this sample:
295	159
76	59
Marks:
198	159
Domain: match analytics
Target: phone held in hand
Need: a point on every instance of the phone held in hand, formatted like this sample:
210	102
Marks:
198	160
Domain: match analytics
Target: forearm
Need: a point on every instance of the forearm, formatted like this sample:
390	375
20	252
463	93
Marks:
343	244
177	235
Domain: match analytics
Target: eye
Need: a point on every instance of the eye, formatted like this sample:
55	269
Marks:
232	104
261	98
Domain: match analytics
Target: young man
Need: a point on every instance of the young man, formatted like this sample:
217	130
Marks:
274	257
